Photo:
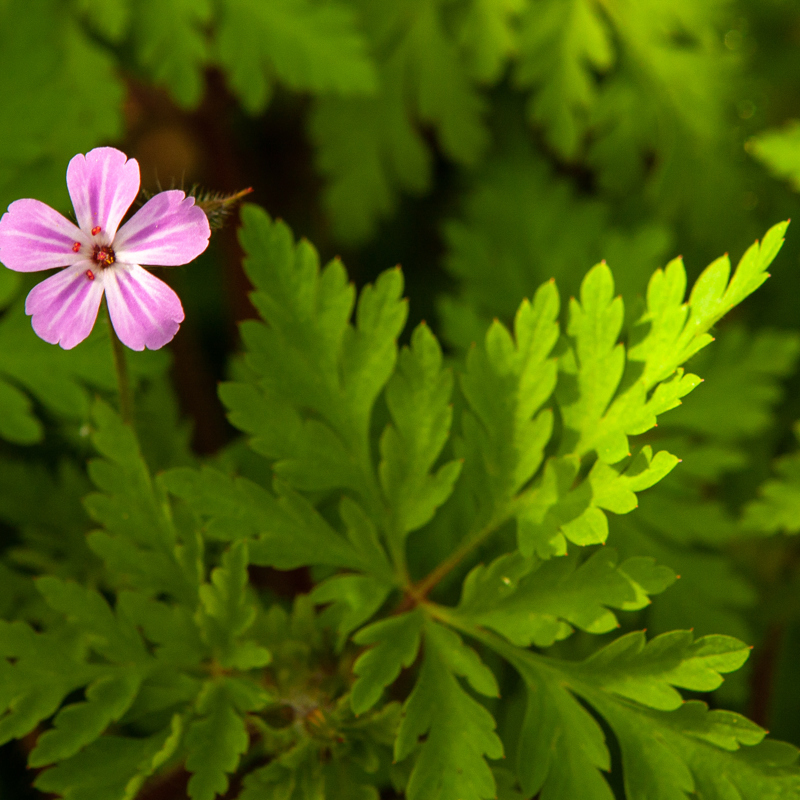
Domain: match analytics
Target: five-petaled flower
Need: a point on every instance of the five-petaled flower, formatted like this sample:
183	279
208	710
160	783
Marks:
168	230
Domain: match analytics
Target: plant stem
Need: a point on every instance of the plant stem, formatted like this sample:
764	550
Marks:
121	368
421	589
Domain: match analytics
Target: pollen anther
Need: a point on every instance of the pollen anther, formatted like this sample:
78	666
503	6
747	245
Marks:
95	230
90	274
76	247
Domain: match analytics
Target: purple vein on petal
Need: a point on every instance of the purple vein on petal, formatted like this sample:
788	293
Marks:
34	237
102	185
64	307
168	230
144	310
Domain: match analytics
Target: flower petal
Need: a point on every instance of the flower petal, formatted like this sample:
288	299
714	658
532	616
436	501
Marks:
64	306
102	185
34	237
144	310
168	230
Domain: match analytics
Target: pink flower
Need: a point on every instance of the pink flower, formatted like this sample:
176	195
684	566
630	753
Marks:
167	230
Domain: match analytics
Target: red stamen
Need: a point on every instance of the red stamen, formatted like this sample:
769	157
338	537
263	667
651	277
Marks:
76	247
90	274
95	230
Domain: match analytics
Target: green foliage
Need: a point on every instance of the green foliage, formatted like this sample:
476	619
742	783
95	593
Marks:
61	96
395	578
306	45
170	44
780	151
561	46
458	730
778	506
61	382
370	148
537	602
674	747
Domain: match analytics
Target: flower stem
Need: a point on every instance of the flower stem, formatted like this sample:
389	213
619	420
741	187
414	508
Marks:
121	368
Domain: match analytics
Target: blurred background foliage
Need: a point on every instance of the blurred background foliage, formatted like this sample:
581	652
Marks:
485	145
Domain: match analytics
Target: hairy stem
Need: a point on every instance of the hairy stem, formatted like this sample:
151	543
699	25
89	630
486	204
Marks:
121	369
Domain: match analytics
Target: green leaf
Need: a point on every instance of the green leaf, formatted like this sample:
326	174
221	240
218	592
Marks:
112	768
666	755
227	613
563	46
507	382
777	507
355	599
172	628
677	330
110	18
171	44
669	332
370	148
308	358
61	95
79	724
287	531
537	602
487	36
305	45
459	731
139	540
779	151
215	743
396	641
37	671
418	396
561	746
645	671
111	635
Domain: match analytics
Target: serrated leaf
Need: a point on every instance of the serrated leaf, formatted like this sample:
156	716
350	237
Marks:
287	531
713	753
647	671
171	627
215	743
418	396
561	747
227	612
46	668
110	634
139	540
487	36
171	44
396	641
309	357
112	768
563	46
79	724
668	333
678	330
459	731
305	45
537	602
355	599
371	148
506	384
